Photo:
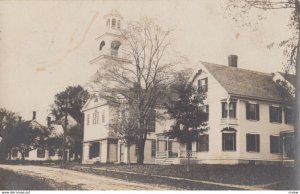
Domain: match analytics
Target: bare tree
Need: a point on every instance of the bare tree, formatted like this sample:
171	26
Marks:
291	50
141	76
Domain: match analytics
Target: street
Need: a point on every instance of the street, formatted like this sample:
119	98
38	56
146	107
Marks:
86	181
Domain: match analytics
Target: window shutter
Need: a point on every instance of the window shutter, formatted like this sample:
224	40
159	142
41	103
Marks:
257	112
247	142
207	111
270	113
280	115
206	84
247	110
258	143
223	109
234	109
223	141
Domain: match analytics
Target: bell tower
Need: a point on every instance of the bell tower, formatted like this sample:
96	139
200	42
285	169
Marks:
111	41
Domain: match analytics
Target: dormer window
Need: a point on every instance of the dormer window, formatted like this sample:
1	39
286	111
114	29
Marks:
113	23
202	85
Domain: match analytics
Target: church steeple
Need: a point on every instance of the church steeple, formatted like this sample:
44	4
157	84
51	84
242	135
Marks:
110	42
113	20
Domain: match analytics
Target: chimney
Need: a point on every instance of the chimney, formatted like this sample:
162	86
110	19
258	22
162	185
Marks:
48	121
232	60
34	115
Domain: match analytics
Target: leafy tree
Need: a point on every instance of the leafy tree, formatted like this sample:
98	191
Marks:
74	97
8	122
241	10
142	77
75	138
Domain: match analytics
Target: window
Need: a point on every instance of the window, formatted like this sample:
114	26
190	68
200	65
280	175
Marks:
102	44
119	24
202	85
252	141
275	114
113	23
115	45
275	144
96	117
94	150
103	116
26	154
88	119
41	153
205	109
228	141
153	148
203	143
14	153
108	22
150	121
288	116
232	110
51	152
189	146
252	111
136	149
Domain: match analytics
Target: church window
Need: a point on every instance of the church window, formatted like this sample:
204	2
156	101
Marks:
113	23
102	44
115	45
108	22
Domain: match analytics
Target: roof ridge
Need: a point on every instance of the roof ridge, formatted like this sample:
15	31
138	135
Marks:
237	68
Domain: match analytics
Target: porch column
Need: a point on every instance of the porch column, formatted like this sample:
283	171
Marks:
167	147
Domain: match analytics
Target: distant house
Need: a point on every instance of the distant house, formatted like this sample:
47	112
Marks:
250	118
40	154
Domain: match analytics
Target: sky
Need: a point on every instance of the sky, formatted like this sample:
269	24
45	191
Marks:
45	46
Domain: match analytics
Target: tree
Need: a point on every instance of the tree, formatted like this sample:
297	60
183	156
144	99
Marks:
76	97
190	119
125	126
75	138
142	78
291	51
70	101
8	122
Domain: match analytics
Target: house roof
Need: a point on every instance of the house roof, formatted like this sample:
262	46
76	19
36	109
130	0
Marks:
245	83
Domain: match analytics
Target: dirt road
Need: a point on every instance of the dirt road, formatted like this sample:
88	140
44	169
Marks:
83	180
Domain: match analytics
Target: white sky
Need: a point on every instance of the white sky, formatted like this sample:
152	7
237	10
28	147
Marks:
45	46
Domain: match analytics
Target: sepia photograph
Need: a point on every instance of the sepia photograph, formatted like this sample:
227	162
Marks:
150	95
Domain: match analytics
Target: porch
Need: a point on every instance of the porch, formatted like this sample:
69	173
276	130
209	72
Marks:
169	151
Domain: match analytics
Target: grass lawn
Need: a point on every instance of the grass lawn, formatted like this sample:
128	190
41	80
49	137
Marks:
236	174
13	181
